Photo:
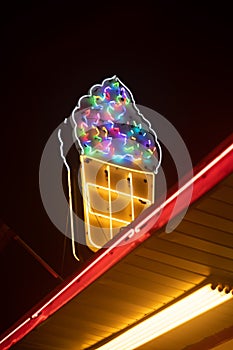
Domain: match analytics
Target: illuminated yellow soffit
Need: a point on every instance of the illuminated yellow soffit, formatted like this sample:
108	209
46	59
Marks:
202	300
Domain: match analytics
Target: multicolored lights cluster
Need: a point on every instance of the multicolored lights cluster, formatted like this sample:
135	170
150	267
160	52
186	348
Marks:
109	126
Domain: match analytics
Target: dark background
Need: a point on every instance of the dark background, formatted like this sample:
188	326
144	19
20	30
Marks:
176	58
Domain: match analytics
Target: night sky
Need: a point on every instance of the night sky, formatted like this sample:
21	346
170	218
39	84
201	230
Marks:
176	58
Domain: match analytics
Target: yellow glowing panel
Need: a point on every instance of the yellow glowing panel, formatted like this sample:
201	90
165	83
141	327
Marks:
113	196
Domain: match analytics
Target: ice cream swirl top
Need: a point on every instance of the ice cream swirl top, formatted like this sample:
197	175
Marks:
108	125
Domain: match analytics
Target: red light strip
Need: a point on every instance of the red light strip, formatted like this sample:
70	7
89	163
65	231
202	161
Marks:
128	234
15	330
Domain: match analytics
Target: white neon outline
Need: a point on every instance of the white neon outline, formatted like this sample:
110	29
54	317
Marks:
70	195
128	234
90	94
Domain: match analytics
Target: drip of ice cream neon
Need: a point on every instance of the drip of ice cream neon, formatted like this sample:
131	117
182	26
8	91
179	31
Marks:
109	126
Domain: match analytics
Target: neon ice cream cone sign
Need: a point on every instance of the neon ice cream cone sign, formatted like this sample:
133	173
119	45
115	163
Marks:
118	159
119	155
